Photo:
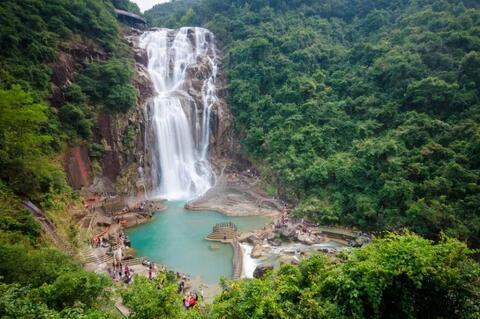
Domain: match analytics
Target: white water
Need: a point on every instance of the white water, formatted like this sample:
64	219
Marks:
180	166
273	254
249	263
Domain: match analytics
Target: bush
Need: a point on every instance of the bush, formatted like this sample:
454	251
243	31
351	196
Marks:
108	83
73	117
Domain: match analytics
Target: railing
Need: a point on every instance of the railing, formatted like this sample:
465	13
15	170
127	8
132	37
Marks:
221	226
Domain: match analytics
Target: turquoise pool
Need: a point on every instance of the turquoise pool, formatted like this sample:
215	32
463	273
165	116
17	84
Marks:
175	238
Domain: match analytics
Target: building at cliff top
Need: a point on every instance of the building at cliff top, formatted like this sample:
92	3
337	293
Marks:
131	19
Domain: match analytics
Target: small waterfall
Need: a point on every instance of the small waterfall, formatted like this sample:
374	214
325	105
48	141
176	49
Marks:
249	263
180	166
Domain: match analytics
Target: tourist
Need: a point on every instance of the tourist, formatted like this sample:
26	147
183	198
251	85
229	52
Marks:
181	286
191	301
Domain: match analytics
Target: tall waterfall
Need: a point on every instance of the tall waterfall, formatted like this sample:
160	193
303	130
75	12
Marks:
181	127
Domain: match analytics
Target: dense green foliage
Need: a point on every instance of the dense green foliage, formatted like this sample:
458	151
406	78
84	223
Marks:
33	34
24	166
171	14
45	283
154	298
366	113
33	31
109	83
395	277
399	276
36	281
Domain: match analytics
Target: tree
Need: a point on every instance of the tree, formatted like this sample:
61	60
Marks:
153	298
23	164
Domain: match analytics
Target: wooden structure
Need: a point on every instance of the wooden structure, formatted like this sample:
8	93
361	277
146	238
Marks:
131	19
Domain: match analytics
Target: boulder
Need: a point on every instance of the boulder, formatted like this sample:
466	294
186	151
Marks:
261	270
275	242
306	238
257	251
287	232
249	237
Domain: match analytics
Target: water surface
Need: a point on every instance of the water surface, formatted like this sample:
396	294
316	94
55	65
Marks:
175	238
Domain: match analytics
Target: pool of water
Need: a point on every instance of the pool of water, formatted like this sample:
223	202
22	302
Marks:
175	238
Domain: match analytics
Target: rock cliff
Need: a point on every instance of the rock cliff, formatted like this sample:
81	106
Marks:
125	164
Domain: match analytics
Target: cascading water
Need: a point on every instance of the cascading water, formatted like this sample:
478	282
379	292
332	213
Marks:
180	166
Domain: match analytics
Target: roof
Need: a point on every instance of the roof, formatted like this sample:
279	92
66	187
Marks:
123	13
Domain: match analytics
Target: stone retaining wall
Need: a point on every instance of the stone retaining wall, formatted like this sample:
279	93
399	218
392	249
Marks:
237	259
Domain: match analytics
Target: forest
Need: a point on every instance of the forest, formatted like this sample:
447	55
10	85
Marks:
360	113
37	280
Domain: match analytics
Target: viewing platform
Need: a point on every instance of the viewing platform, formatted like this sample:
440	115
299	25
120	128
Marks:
224	232
227	233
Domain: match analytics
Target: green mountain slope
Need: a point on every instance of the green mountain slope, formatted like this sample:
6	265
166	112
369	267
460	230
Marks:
61	63
365	113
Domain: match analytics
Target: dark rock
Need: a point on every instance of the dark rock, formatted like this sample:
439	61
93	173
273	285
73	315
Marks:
261	270
276	242
287	232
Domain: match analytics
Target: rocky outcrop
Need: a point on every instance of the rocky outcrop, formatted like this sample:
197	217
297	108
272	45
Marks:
78	167
125	164
257	251
221	120
261	270
119	169
236	195
72	57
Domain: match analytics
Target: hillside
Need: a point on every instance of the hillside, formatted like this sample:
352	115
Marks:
361	113
358	113
62	64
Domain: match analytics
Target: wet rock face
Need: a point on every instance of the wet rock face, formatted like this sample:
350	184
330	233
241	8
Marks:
221	140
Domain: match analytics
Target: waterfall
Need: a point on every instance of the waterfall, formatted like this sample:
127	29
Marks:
180	129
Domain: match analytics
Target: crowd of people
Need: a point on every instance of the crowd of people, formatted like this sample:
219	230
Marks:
118	272
190	298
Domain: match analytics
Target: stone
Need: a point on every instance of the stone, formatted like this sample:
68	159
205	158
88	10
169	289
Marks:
257	251
248	237
275	242
213	247
287	232
261	270
306	238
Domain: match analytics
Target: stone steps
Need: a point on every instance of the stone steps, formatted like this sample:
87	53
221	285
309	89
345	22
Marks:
134	261
229	234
